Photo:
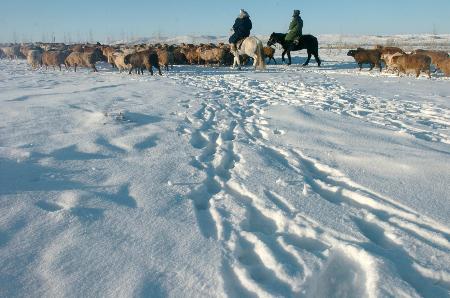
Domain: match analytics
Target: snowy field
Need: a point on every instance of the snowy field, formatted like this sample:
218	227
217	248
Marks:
212	182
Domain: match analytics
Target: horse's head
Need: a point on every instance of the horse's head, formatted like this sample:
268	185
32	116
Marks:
272	40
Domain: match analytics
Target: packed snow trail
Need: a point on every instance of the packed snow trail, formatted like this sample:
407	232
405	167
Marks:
273	249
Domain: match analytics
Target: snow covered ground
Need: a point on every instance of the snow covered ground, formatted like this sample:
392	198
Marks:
211	182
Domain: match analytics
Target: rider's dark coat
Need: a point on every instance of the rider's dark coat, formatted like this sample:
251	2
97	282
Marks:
241	27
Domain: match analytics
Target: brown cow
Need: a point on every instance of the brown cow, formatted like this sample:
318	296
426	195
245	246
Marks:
389	50
414	62
387	53
435	56
363	56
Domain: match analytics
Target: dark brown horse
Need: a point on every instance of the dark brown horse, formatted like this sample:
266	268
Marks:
308	42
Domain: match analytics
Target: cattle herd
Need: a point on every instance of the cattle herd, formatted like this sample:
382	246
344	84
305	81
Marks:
146	57
123	57
396	59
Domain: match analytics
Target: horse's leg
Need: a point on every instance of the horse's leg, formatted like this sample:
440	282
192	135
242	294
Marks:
237	60
289	57
307	60
255	60
316	56
274	60
282	56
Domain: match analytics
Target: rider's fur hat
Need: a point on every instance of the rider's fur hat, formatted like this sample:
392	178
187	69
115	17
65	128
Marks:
243	14
296	12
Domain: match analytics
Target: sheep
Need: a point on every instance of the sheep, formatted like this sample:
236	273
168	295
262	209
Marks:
76	48
211	55
413	62
34	58
54	47
268	53
24	49
87	59
362	56
144	59
190	51
178	56
108	53
165	58
54	58
12	52
119	59
444	66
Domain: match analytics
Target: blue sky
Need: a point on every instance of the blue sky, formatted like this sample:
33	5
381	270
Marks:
36	20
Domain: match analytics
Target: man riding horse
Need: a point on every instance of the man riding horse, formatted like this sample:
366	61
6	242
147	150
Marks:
295	29
294	40
241	29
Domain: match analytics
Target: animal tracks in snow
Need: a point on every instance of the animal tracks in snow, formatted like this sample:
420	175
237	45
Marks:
272	249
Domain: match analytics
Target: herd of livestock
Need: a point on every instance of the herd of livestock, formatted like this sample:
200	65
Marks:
396	59
124	57
146	57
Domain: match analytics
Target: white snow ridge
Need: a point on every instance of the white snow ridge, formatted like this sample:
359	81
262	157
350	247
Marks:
212	182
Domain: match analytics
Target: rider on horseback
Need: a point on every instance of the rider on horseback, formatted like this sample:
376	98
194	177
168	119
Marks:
241	29
295	28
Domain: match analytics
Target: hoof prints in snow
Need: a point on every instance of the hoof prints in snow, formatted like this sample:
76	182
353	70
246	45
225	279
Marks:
216	159
269	247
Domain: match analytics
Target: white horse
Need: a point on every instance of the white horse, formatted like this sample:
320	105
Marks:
253	47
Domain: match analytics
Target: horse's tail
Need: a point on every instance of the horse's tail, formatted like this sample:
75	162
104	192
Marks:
261	63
